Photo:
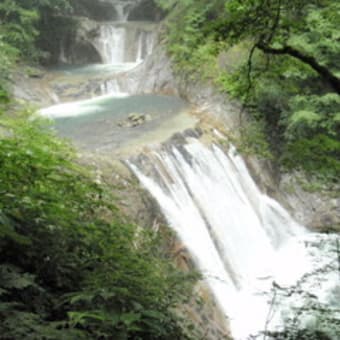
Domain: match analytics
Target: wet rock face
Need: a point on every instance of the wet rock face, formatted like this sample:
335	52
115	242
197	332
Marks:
96	10
82	52
109	10
77	47
154	75
146	10
70	41
319	210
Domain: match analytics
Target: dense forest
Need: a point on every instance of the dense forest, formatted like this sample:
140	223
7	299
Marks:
72	266
281	59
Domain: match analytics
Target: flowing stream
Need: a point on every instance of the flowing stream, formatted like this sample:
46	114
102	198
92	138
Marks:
248	248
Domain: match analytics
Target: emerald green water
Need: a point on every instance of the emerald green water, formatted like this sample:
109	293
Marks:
97	122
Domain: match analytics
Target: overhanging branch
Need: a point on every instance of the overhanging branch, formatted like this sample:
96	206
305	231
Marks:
323	71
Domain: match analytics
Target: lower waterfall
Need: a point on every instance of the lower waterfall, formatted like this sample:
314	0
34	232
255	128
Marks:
242	241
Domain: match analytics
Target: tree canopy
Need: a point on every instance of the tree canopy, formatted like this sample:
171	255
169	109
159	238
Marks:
280	58
304	30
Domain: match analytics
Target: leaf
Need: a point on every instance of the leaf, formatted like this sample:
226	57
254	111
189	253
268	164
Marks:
153	314
304	116
90	316
7	230
81	297
7	307
130	318
11	278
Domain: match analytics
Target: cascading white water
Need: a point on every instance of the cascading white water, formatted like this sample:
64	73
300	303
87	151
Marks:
241	239
111	86
120	8
145	45
118	41
124	47
62	57
111	43
126	43
123	43
123	8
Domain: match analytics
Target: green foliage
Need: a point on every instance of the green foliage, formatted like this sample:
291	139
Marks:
18	27
286	74
21	25
318	155
313	114
193	50
253	140
71	266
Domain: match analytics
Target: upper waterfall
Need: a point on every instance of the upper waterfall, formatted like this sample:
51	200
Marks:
111	41
129	42
241	240
121	41
123	7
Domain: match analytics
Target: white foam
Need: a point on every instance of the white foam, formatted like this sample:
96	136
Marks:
83	107
241	240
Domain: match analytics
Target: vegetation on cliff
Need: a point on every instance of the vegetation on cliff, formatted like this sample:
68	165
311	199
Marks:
280	58
23	28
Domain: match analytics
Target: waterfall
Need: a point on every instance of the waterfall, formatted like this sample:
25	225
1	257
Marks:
121	43
120	8
112	87
145	45
123	8
241	240
111	43
124	46
62	57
